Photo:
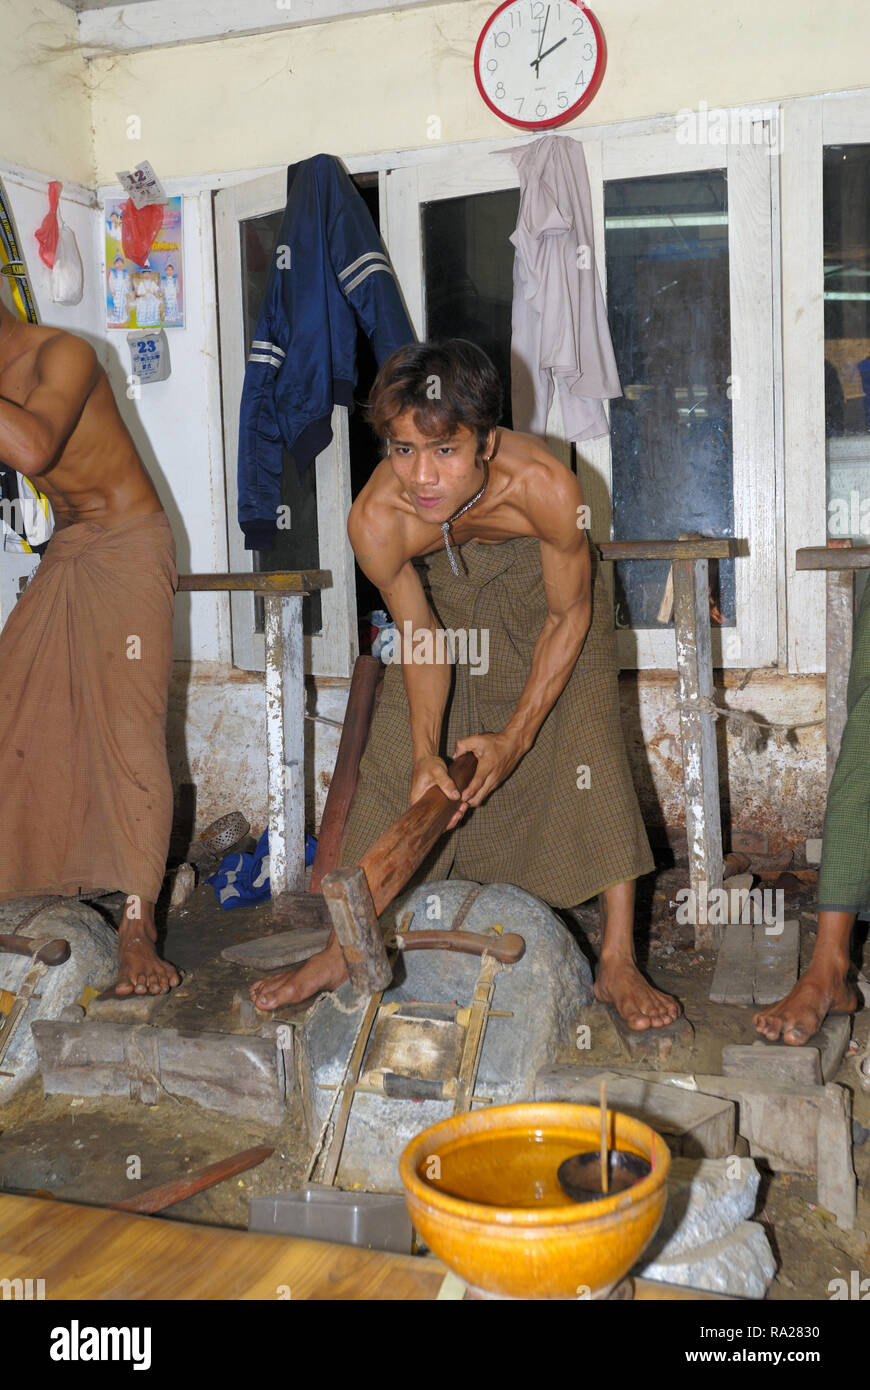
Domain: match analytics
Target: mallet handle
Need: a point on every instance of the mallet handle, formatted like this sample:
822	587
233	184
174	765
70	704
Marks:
393	858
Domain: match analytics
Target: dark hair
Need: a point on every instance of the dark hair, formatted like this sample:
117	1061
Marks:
446	384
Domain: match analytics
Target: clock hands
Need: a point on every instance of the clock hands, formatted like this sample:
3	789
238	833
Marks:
536	62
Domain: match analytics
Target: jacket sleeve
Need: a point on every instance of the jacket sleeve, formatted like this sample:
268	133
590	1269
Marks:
260	440
363	270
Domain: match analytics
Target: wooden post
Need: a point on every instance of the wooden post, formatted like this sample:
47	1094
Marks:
285	744
698	740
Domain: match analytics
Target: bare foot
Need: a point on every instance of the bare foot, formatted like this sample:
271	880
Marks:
326	970
620	983
819	992
140	969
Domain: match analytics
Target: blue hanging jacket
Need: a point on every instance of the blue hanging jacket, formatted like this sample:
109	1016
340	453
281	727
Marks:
330	269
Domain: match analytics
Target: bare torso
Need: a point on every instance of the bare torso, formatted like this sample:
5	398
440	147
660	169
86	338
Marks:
96	474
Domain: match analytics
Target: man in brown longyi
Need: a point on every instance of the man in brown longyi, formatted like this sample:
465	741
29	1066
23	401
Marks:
467	527
85	655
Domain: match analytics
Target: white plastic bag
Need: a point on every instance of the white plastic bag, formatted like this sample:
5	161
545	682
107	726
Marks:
66	280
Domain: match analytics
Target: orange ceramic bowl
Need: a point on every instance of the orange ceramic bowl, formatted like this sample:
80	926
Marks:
483	1193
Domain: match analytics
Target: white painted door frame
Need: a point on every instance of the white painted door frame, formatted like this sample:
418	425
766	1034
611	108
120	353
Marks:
750	170
334	649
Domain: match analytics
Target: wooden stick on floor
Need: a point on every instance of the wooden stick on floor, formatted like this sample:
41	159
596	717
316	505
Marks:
156	1198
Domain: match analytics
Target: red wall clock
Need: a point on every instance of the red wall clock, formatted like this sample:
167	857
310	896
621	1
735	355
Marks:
538	63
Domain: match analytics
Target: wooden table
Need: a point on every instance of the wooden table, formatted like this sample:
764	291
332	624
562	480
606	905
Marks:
91	1253
283	592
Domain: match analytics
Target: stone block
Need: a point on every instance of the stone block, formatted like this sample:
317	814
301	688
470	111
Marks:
740	1264
708	1198
93	962
542	992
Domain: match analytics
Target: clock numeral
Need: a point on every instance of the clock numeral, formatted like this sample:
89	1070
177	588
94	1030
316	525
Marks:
499	91
581	80
537	9
520	101
516	19
541	110
492	65
562	100
587	52
579	23
502	38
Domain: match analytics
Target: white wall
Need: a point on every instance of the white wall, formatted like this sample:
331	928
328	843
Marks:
360	85
45	116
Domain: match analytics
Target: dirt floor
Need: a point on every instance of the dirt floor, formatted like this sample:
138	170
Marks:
81	1149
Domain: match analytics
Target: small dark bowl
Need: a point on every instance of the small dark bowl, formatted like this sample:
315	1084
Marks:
580	1175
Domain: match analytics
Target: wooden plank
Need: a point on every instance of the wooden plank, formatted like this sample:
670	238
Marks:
823	557
88	1253
733	975
794	1066
698	739
775	957
285	745
704	549
258	581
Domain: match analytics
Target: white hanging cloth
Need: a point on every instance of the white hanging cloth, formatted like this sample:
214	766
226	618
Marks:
559	331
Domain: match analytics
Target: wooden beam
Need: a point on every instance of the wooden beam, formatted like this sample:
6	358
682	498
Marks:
258	582
705	549
824	557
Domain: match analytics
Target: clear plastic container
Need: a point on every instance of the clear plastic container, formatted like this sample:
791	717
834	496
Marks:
372	1220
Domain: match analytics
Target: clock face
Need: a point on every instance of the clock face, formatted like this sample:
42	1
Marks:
539	62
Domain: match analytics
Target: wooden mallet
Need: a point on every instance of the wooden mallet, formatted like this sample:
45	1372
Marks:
357	896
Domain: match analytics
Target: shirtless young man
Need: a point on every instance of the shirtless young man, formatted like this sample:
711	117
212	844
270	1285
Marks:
60	427
433	467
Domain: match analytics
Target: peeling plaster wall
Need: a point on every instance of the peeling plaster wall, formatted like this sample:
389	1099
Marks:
776	789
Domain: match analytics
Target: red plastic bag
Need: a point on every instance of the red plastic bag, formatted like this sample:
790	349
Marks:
48	232
139	228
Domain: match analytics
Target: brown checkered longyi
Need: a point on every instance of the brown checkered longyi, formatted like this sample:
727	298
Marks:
539	830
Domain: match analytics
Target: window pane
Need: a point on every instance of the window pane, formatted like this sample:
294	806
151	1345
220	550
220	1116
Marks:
469	261
846	214
296	548
666	248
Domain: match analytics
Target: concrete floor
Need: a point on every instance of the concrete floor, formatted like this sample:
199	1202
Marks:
79	1149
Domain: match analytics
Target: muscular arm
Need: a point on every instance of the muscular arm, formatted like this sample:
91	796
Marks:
566	568
33	434
378	543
